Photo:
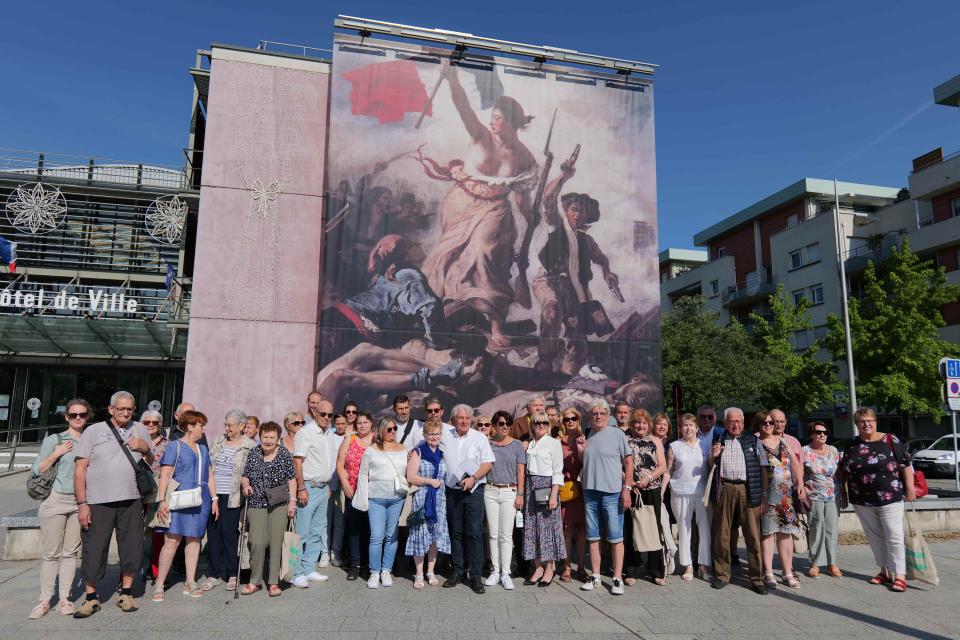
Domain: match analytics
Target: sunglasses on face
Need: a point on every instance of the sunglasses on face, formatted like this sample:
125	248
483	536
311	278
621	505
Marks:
83	414
502	424
324	414
435	410
484	424
149	423
571	419
819	433
542	423
350	412
766	422
706	417
390	429
297	423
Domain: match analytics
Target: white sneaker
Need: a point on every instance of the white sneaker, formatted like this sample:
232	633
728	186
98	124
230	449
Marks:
506	582
386	579
492	579
324	560
317	577
617	588
374	581
300	581
591	584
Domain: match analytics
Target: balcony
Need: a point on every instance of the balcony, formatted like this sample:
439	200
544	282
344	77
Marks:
935	235
935	178
749	292
876	251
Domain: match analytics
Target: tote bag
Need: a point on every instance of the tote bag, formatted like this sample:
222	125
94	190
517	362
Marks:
290	553
919	561
646	533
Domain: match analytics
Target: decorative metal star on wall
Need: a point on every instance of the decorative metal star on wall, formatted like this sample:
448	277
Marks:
36	208
165	218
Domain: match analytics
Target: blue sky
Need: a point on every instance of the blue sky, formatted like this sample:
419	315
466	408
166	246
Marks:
750	96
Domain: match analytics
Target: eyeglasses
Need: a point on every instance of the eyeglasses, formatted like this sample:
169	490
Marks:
435	410
819	432
502	423
705	417
297	423
571	419
484	424
350	412
149	423
390	429
83	414
124	409
434	434
542	423
324	414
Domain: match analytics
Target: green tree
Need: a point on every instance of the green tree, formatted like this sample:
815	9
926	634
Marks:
894	334
792	379
714	364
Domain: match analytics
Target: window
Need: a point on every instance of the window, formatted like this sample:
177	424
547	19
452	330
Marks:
801	339
955	207
820	332
714	288
813	252
721	251
792	220
797	297
816	294
796	259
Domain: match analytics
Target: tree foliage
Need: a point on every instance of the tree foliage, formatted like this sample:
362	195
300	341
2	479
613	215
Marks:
715	364
790	378
894	333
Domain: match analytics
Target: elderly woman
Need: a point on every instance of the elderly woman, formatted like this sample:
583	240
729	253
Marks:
572	442
484	425
251	428
661	428
688	461
502	497
59	524
649	465
879	477
821	462
542	526
429	534
187	462
229	454
382	478
270	485
153	536
608	481
357	529
778	514
292	422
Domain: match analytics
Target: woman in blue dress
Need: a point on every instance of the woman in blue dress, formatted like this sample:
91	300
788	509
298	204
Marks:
426	469
187	462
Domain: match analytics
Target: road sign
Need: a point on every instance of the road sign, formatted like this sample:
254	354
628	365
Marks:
950	370
33	404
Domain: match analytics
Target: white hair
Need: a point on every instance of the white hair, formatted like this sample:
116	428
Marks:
238	416
462	408
536	397
729	410
121	395
602	404
152	414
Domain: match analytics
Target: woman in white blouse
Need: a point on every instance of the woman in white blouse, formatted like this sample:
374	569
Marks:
382	484
542	526
687	461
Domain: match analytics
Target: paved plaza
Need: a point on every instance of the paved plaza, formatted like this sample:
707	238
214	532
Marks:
340	610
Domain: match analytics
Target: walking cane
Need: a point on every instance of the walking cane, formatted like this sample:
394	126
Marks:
241	544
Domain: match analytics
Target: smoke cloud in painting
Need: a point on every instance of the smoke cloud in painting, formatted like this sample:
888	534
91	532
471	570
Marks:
490	232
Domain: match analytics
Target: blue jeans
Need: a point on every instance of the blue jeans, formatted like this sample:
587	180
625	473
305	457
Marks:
598	504
384	515
312	528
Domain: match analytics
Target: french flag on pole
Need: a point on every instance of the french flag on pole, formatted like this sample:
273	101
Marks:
8	254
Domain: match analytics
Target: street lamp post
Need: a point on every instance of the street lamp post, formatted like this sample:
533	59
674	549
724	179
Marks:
843	297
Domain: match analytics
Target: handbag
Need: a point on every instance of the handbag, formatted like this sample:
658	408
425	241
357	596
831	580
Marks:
40	486
187	498
277	495
569	491
290	553
646	532
146	483
919	561
541	497
920	488
800	542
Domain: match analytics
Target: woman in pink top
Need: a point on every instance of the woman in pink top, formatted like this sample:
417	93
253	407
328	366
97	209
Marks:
357	530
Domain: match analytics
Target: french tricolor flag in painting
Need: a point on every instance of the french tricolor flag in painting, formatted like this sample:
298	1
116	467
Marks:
8	254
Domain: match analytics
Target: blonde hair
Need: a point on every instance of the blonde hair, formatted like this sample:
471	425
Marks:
574	411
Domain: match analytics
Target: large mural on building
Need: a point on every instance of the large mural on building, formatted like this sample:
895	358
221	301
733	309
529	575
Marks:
490	231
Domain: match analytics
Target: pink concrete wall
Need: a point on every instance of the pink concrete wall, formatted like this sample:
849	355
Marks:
253	327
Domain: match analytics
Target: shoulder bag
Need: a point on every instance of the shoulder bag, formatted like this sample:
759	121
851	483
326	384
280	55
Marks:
40	486
187	498
279	494
146	483
920	487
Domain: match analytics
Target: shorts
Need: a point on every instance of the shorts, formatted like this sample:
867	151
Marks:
597	505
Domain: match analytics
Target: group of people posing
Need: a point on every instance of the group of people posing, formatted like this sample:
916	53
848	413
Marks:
548	486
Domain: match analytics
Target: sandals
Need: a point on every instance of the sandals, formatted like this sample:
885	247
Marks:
432	580
250	589
192	589
687	575
770	580
418	582
274	591
158	594
898	585
791	581
880	578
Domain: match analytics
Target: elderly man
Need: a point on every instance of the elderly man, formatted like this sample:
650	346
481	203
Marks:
780	429
739	485
521	426
106	490
607	461
314	463
707	426
175	433
469	458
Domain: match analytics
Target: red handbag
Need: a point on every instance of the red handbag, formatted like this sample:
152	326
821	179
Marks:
920	488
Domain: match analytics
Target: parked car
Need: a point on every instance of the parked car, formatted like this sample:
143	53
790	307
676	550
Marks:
937	459
919	444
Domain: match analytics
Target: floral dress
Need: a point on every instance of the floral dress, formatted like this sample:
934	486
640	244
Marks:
780	515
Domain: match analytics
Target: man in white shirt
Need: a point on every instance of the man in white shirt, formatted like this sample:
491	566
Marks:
314	461
409	431
469	458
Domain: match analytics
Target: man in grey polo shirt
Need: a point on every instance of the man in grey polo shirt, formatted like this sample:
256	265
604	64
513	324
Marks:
108	499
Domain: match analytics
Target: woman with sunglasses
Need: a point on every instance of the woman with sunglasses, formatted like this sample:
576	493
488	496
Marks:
426	469
820	464
59	524
502	497
351	410
542	527
484	424
357	528
153	537
292	423
573	442
778	515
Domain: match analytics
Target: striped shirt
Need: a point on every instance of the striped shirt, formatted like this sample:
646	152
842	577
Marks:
223	469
